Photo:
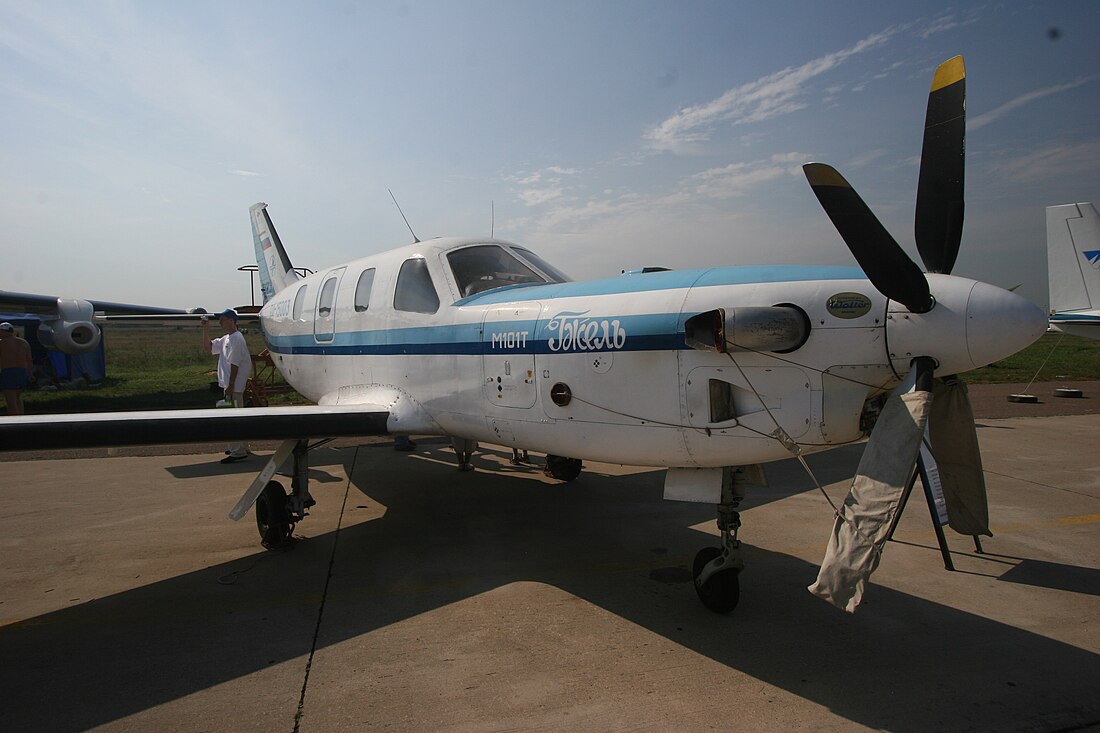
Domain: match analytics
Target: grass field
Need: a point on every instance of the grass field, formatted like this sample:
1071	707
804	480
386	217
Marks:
149	368
163	368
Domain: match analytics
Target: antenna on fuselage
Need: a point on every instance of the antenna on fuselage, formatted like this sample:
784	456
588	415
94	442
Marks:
416	239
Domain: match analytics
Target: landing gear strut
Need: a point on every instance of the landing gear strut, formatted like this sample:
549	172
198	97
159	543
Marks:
276	512
716	570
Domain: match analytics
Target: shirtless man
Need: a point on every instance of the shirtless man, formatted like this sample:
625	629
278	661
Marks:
15	368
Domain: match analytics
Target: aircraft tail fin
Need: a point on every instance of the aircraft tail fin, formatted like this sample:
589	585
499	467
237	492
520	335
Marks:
276	272
1073	257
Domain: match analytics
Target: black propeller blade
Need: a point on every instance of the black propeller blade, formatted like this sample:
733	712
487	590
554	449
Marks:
939	218
887	266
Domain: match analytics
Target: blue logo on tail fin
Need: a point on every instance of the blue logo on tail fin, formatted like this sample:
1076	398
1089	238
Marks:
1093	257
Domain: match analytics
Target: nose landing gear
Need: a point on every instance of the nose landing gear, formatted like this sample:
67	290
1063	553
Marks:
716	570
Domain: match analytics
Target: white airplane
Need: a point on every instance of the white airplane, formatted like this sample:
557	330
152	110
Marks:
1073	269
706	372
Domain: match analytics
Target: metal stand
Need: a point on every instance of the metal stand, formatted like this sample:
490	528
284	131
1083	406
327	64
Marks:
919	471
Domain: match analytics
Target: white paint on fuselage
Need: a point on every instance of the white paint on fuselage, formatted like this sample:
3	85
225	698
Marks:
633	401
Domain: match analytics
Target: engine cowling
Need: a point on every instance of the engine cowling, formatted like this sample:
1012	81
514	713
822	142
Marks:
72	332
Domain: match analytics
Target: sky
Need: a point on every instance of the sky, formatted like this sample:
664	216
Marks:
603	135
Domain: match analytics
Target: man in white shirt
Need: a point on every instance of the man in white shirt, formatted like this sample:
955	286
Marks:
234	368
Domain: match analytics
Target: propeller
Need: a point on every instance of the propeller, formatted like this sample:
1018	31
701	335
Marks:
862	525
939	217
879	256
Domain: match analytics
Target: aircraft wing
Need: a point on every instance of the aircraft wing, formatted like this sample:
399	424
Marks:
158	427
47	305
171	319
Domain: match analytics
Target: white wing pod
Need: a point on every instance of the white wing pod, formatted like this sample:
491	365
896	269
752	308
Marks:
72	332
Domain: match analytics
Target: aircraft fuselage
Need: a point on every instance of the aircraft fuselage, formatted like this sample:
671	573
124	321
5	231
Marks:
485	367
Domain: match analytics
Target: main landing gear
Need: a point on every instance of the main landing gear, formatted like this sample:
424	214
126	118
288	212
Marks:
561	468
276	511
717	570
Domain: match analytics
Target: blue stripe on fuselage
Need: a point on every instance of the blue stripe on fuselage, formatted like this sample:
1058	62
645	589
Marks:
651	332
1075	317
669	280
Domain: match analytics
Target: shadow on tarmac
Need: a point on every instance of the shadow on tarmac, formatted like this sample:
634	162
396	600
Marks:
1056	576
902	665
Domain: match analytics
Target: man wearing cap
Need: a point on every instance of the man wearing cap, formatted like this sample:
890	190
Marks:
15	367
234	368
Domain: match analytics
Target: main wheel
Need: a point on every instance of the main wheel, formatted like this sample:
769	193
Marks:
722	590
272	517
563	469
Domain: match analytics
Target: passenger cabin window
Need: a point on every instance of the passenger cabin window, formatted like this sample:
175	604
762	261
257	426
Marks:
362	290
328	294
415	291
299	303
487	266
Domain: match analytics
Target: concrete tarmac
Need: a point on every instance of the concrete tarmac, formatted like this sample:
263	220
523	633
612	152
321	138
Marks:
421	598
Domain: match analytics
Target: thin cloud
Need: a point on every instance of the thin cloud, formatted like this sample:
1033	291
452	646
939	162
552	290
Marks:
948	21
1059	161
244	174
994	114
768	97
536	196
550	189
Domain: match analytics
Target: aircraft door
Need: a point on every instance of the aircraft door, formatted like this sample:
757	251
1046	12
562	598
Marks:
324	319
508	361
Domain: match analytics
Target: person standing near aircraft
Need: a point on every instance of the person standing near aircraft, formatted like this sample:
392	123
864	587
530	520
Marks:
15	367
234	368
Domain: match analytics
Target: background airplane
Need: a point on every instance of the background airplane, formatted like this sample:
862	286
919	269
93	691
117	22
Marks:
707	373
1073	269
68	324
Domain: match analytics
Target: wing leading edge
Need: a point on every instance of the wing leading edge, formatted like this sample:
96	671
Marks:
159	427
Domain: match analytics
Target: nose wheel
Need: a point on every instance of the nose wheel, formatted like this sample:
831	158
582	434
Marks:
717	570
717	581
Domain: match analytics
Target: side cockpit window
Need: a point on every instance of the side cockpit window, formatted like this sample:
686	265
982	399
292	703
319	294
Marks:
415	291
487	266
299	303
362	290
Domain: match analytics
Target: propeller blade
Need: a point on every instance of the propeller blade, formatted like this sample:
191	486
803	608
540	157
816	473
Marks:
887	266
955	447
939	218
862	525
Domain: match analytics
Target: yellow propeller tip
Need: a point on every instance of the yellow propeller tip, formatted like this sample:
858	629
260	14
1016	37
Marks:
948	73
820	174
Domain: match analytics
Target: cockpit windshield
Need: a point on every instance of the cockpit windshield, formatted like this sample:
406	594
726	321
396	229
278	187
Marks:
554	273
488	266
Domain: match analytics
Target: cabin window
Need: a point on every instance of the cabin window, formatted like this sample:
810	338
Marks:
299	302
415	291
328	295
549	270
362	290
488	266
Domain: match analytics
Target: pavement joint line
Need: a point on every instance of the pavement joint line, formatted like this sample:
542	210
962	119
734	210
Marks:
298	714
1038	483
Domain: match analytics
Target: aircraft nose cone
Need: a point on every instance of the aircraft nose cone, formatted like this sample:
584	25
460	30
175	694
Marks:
1000	323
